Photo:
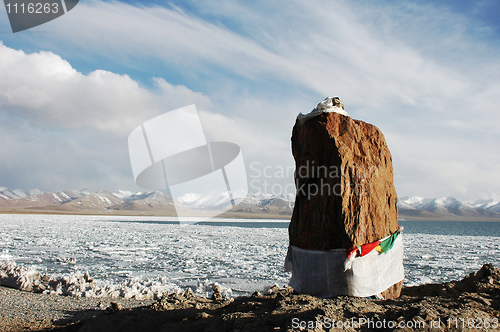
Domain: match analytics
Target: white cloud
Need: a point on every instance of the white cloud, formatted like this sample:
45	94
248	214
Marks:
62	129
44	89
450	165
426	76
330	48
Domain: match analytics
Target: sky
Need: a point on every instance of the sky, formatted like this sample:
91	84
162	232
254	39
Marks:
424	72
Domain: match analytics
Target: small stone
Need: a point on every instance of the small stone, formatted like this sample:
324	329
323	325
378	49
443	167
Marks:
202	315
273	289
116	306
40	288
188	293
87	277
256	294
217	295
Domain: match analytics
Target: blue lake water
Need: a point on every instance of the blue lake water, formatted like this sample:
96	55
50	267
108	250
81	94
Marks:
462	228
465	228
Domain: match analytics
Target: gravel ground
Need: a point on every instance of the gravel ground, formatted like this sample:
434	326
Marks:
472	304
26	311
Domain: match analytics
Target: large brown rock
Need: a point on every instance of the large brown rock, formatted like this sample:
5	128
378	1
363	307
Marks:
344	179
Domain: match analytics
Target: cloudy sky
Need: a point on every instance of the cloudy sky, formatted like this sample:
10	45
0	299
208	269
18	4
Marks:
425	72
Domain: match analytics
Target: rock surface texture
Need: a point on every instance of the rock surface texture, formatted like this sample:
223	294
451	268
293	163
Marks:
472	304
345	190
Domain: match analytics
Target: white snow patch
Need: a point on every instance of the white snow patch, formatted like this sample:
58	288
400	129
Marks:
188	198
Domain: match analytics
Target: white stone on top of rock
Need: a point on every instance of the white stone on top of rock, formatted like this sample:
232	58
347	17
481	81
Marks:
328	105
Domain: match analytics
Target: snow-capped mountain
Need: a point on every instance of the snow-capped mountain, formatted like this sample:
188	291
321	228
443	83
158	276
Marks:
489	204
144	201
446	207
495	207
7	194
222	200
124	194
65	201
244	202
415	202
88	200
213	201
37	197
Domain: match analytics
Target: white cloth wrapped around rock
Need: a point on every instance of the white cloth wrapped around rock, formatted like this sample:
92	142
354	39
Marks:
326	106
321	273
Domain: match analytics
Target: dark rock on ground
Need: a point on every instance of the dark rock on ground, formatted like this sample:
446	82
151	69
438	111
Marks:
358	202
345	190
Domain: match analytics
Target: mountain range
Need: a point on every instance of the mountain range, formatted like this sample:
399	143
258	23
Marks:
142	203
416	207
251	205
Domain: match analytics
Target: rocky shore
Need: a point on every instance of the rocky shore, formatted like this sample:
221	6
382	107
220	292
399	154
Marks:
472	304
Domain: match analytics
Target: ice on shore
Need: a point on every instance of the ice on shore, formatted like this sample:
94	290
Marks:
82	285
145	257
